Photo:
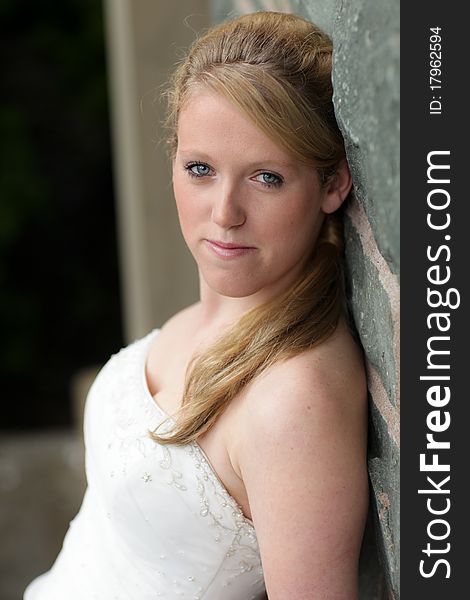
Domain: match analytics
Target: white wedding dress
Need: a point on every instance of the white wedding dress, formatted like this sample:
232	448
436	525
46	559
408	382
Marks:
156	521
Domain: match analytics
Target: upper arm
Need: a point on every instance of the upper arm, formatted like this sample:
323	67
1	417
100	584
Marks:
303	463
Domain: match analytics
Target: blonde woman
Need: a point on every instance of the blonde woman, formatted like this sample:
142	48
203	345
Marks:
226	452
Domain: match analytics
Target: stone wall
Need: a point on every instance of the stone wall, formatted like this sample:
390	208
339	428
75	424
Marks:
366	77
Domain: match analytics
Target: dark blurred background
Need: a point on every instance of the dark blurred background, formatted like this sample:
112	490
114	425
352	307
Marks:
59	285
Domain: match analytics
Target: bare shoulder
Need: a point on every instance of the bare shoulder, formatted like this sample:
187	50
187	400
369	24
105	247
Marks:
307	402
301	452
327	380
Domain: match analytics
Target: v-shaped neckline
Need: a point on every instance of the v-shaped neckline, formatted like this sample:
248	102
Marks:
202	455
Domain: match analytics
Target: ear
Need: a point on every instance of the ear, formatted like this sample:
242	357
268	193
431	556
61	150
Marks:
337	188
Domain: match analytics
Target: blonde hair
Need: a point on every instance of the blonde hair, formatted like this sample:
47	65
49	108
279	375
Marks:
276	68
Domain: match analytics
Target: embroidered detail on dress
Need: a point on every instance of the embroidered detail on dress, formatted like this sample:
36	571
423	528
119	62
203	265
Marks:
244	546
223	497
166	463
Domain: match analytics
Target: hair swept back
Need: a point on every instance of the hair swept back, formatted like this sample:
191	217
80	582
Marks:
276	68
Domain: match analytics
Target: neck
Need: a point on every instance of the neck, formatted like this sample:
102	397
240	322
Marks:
218	311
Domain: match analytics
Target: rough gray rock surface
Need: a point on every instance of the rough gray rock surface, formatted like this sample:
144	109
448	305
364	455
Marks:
367	88
366	77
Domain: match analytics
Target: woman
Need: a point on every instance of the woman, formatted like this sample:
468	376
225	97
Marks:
253	475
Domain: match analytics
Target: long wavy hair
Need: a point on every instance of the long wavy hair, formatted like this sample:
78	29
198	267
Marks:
276	68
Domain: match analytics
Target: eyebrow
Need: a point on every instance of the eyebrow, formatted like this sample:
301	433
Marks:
272	161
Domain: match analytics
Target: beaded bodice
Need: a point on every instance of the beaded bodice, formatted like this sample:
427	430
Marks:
156	521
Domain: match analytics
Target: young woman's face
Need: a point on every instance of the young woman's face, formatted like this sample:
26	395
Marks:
249	212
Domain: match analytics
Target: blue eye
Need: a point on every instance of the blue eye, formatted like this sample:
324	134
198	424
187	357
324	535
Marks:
197	169
270	180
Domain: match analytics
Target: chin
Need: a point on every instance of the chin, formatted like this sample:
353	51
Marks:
233	286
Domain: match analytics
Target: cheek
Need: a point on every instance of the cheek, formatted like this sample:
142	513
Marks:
185	202
298	221
297	229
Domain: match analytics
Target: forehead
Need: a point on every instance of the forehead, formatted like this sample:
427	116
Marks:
211	124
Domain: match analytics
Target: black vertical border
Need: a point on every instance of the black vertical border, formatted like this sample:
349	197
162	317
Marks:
421	133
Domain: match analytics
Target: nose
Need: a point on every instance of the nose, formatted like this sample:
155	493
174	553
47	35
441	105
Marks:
227	210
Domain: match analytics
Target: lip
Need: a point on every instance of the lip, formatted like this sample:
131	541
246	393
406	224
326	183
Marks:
228	249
